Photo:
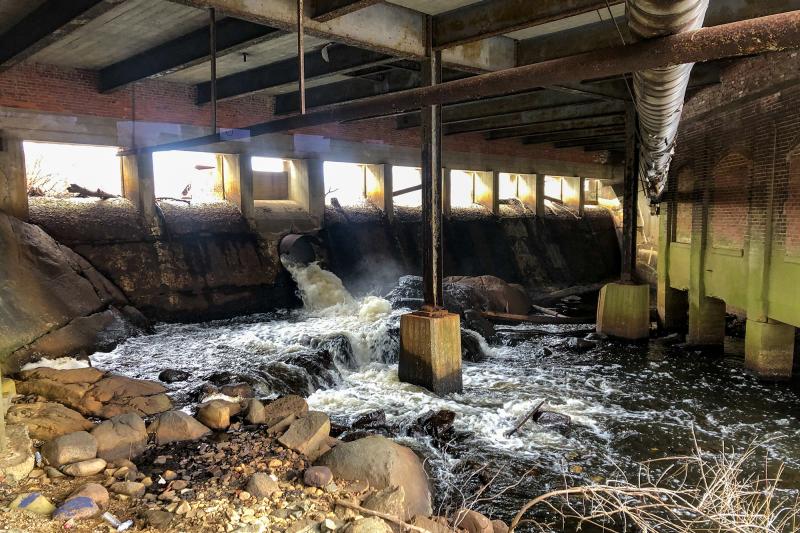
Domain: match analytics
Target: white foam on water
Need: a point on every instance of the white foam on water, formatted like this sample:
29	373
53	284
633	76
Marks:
61	363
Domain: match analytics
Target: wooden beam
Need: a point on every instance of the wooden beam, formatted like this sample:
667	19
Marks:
185	51
50	22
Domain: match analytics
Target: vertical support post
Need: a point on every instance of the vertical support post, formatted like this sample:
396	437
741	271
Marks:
13	179
301	60
486	188
540	210
432	180
147	186
629	200
315	186
212	31
581	196
237	181
446	192
378	189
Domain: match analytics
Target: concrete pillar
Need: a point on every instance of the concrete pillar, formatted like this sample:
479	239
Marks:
526	190
447	204
570	192
236	172
13	180
769	349
581	196
486	190
378	188
672	304
706	321
430	351
138	184
623	311
540	209
307	185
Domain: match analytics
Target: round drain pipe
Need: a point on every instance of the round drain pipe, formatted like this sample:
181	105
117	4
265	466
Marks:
298	248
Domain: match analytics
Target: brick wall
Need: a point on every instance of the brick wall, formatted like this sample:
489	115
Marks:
54	89
729	202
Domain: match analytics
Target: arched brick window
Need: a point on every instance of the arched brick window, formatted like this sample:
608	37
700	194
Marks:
729	202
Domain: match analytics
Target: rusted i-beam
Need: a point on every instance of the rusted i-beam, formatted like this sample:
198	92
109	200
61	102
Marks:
754	36
212	46
630	197
301	62
432	180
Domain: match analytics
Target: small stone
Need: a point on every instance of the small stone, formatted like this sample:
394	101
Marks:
131	489
158	519
160	460
255	412
87	468
368	525
308	433
179	484
275	463
33	502
147	482
53	473
170	375
183	508
318	476
70	448
97	493
76	508
169	475
216	414
262	485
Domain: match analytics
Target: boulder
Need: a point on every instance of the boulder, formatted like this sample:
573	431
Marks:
90	467
94	491
391	501
176	426
18	460
121	437
76	508
317	476
472	522
217	414
262	485
237	390
382	463
458	298
368	525
116	395
70	448
67	386
498	526
308	433
132	489
47	420
255	412
33	502
471	347
501	296
173	376
281	408
475	321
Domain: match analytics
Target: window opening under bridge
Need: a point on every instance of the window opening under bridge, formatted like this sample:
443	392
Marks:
346	182
52	167
462	188
270	178
188	177
404	178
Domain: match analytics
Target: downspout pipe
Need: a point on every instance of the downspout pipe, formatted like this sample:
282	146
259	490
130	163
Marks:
660	92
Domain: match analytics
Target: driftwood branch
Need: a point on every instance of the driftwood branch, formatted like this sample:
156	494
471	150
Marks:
536	319
86	193
389	518
525	418
526	333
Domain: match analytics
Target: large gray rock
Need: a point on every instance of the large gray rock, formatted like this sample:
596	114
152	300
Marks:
70	448
121	437
281	408
217	414
18	459
307	434
47	420
383	463
502	296
176	426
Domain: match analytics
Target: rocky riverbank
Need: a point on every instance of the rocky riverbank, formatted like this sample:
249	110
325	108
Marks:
101	443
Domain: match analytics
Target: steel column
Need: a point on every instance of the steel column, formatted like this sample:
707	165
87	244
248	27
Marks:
432	180
630	197
212	31
301	59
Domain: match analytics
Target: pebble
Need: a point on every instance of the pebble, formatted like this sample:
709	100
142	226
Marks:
244	496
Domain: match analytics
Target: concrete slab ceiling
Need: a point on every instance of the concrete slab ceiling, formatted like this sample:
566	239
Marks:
12	11
130	28
433	7
617	10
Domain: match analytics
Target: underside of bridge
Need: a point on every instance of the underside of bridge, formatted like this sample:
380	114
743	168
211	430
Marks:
158	158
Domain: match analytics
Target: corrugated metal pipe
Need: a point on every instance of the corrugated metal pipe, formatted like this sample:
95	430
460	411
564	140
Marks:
660	92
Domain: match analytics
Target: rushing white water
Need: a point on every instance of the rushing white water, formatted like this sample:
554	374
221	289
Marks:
61	363
627	403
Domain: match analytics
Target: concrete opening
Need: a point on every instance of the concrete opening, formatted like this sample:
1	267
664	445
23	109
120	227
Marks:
188	177
52	167
270	178
345	183
407	178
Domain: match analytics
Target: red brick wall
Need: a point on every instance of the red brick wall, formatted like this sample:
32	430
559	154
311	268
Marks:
69	91
737	137
683	212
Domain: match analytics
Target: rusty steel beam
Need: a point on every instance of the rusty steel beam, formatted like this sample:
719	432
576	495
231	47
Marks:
630	196
748	37
325	10
574	135
496	17
556	127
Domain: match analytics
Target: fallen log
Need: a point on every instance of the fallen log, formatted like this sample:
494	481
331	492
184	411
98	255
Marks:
508	318
547	310
525	418
83	192
525	333
577	290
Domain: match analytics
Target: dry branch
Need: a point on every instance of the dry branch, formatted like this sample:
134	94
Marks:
389	518
525	418
86	193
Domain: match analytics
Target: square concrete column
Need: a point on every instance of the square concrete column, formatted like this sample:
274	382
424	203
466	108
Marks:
581	196
378	185
447	203
769	349
13	180
623	311
672	304
486	190
138	184
706	321
540	208
571	192
430	351
237	181
526	190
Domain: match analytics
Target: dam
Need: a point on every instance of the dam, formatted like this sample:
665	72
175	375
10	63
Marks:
373	266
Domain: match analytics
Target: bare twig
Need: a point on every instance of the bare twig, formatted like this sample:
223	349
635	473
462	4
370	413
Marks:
389	518
525	418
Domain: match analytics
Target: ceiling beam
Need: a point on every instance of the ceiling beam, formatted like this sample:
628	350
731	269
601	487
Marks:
325	10
342	59
557	126
604	34
48	23
495	17
382	27
185	51
574	134
572	143
551	114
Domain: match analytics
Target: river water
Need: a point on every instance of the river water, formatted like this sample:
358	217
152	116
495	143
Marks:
627	403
